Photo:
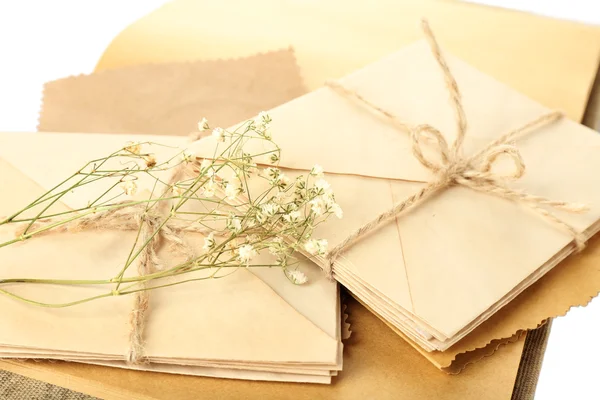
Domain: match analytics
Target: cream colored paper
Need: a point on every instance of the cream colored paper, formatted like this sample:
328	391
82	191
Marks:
441	270
257	322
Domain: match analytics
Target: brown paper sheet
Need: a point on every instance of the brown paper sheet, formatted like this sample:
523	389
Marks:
170	98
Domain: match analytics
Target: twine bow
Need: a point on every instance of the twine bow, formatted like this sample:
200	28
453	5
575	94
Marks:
450	167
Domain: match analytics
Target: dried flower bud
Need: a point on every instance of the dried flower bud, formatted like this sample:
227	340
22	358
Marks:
203	125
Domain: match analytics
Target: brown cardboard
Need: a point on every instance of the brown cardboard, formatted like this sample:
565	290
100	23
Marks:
550	60
377	364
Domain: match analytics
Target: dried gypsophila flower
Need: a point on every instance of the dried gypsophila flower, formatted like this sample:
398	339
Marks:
150	160
297	277
234	224
209	242
134	147
317	171
218	134
316	247
245	253
203	125
129	188
188	155
233	188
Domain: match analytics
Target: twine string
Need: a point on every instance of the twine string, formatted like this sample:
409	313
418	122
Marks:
450	167
154	228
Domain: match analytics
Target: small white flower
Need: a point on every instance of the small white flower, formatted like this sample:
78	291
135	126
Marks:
209	188
280	197
271	173
322	186
260	217
219	134
317	171
203	125
262	120
297	277
234	224
315	247
276	246
269	209
289	207
209	242
233	188
284	179
129	188
246	252
207	168
337	210
134	147
292	217
266	118
318	206
188	155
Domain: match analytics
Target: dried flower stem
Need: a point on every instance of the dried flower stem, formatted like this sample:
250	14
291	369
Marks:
239	224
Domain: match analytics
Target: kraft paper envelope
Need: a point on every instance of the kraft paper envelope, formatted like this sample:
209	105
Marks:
251	321
439	271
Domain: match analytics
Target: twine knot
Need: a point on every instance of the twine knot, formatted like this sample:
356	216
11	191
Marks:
450	167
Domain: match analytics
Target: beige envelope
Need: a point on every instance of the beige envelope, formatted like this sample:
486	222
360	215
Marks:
439	271
252	320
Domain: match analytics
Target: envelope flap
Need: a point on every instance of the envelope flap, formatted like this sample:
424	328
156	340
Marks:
316	300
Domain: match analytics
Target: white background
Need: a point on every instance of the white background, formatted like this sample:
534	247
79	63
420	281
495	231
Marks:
46	40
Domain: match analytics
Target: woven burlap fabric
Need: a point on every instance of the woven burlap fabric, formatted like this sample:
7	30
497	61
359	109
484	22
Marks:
16	387
531	363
